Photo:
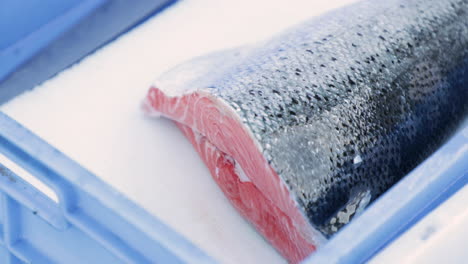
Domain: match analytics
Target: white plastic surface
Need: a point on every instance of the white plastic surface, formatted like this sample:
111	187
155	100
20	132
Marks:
92	113
440	237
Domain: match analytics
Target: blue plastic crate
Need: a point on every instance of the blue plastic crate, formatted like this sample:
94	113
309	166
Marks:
93	223
90	222
42	37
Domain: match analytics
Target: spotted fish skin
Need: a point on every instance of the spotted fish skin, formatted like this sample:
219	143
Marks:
382	81
326	117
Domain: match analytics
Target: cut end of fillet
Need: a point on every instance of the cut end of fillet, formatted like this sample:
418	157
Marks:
239	168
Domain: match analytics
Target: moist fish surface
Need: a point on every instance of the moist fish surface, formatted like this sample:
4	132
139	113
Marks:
304	131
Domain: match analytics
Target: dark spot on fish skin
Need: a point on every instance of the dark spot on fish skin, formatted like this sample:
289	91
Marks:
322	65
359	34
294	101
276	92
333	58
382	38
310	51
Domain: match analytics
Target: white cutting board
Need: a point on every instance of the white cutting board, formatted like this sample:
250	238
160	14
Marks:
92	113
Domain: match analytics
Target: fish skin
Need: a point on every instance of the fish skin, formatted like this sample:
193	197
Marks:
384	82
346	104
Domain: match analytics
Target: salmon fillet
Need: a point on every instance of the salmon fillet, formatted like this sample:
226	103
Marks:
304	131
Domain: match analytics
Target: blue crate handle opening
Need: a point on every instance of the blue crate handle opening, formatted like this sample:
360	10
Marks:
20	190
90	221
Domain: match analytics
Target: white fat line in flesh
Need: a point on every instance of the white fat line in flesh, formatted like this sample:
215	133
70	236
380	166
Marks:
173	107
184	115
207	147
197	136
240	173
195	107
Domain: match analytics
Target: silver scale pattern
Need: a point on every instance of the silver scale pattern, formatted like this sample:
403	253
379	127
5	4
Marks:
346	104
